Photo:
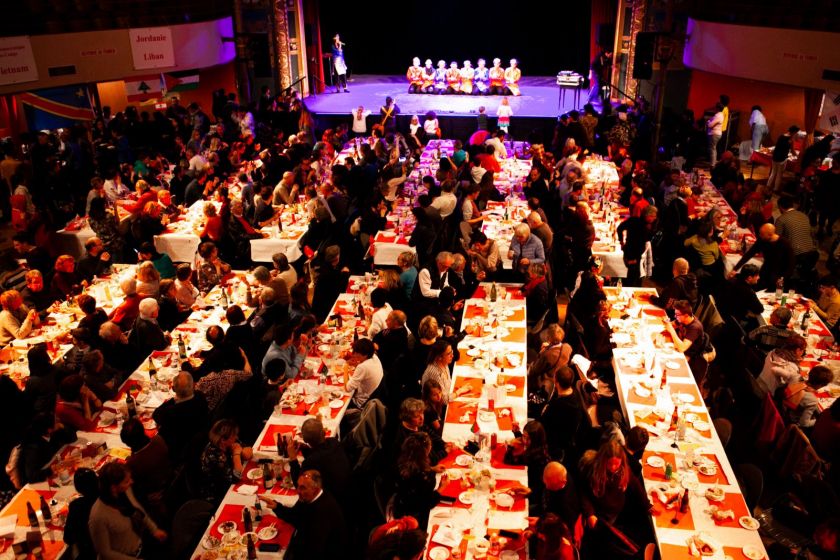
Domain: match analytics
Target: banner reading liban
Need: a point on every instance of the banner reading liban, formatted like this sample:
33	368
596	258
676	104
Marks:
151	47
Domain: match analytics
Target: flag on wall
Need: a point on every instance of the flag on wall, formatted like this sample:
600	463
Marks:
57	107
181	81
143	88
830	115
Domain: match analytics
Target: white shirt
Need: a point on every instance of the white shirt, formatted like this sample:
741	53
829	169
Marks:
499	146
445	203
114	191
425	279
360	124
377	321
197	164
504	111
365	379
757	118
715	124
430	126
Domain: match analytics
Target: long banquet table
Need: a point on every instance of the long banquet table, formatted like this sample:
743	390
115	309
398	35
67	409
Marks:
700	466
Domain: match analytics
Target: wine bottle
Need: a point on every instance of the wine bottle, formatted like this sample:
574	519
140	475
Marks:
684	502
664	380
225	302
252	549
130	405
182	348
247	523
45	509
31	515
257	509
494	293
675	418
152	367
268	476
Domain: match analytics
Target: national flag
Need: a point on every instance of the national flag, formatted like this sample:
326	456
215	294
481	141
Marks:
143	88
48	109
181	81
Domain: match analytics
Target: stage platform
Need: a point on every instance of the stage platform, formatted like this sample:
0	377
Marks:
536	109
539	99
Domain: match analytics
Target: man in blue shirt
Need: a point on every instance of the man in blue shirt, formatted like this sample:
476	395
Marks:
283	349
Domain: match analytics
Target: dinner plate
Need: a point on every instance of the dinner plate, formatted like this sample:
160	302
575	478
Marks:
473	352
244	538
323	348
642	391
514	360
310	399
749	523
752	552
453	474
510	388
227	527
707	469
439	553
685	398
267	533
671	364
211	543
503	500
254	474
464	460
337	403
509	555
701	426
715	497
486	415
466	497
656	461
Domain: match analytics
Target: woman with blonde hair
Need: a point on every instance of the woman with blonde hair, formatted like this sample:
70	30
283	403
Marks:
145	194
16	320
148	280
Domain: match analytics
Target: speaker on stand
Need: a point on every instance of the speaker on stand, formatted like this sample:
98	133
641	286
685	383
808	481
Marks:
643	55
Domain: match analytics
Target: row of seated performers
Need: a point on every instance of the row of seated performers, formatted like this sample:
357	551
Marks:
465	80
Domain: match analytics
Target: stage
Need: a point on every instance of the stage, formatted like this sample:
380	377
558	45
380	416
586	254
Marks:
536	109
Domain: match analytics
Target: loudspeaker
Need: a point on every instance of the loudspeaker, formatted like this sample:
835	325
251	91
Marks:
605	35
643	55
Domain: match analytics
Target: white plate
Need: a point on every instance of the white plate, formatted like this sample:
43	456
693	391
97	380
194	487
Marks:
672	364
466	497
323	348
337	403
514	360
753	552
464	460
486	416
708	469
701	426
243	540
227	527
453	474
685	398
254	474
749	523
656	461
267	533
510	388
711	497
439	553
503	500
509	555
310	399
643	392
211	543
473	353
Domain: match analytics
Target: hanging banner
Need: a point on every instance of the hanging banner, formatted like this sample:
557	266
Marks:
17	63
151	47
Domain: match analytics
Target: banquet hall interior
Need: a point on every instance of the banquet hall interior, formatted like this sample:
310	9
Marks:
317	280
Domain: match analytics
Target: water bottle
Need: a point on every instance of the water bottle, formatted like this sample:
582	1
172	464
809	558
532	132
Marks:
182	348
780	288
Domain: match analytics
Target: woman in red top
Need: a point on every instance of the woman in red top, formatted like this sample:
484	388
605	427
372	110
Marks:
214	229
76	405
145	194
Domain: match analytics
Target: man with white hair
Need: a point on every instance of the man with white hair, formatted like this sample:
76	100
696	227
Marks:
125	313
286	191
430	282
146	335
525	249
181	418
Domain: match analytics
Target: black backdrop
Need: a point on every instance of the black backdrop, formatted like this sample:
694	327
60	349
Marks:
383	36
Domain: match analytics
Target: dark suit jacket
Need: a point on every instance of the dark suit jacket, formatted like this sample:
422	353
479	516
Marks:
179	422
320	529
330	460
147	336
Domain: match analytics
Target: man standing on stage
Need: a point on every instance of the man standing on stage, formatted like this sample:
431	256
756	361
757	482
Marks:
339	64
600	72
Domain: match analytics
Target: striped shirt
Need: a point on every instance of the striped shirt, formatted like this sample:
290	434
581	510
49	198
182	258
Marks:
795	226
768	337
441	375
